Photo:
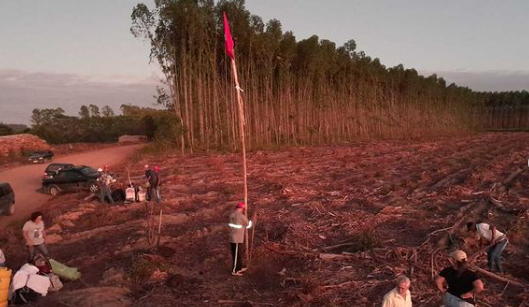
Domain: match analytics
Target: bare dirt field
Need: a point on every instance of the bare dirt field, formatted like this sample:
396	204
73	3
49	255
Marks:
335	225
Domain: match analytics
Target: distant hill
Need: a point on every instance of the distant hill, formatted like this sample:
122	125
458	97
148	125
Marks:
17	128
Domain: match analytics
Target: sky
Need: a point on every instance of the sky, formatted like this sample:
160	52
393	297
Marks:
65	53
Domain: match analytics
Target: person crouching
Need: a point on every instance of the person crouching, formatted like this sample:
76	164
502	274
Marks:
238	225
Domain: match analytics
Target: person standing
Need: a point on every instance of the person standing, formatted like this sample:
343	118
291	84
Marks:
154	179
105	180
158	184
238	225
496	240
35	236
463	284
400	296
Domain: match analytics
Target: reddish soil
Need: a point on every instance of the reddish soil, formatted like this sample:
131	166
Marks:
383	201
27	180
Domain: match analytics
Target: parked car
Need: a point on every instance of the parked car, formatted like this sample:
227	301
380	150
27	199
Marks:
72	179
40	156
7	199
54	168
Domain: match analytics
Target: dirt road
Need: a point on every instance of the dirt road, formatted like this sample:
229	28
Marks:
26	180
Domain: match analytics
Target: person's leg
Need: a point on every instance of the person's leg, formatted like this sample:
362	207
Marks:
240	248
43	249
490	258
102	195
498	250
447	300
109	195
158	196
31	253
233	247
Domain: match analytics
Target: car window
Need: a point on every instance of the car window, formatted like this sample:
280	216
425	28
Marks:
88	171
2	193
74	175
62	175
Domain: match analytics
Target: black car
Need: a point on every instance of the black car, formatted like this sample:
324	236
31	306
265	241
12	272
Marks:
54	168
40	156
72	179
7	199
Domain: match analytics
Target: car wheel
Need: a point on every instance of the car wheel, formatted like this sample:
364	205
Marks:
11	210
93	187
54	190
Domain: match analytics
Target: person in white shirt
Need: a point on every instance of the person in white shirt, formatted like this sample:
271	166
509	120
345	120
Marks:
33	232
496	240
400	296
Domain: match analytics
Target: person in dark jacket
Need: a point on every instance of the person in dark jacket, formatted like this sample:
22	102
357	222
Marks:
153	177
238	225
463	284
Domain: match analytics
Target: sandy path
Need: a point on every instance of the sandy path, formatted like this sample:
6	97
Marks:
26	180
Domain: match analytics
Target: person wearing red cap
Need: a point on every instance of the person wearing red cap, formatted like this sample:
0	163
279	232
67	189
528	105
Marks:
238	225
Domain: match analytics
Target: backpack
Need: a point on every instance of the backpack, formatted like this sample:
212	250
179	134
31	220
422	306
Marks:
25	295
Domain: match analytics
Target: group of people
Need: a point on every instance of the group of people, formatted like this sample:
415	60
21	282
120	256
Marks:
458	283
133	192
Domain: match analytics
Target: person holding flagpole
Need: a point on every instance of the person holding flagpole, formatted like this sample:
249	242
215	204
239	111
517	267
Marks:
238	225
231	53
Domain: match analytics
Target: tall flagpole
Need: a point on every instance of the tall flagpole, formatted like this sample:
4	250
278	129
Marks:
242	124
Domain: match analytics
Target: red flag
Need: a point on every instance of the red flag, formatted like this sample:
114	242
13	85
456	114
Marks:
228	37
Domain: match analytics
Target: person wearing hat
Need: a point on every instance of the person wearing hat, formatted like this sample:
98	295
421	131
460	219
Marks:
238	225
458	283
400	296
496	240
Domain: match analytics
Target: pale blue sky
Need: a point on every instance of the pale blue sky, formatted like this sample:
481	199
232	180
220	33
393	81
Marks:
71	52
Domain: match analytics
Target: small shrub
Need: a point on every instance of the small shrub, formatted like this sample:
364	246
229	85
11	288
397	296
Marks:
142	268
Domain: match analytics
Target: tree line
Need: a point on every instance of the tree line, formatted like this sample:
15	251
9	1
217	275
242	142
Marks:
296	92
99	126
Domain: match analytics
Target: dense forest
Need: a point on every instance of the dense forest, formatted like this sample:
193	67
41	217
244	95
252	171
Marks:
296	92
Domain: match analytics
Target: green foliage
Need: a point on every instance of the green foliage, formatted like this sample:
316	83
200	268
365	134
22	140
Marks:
364	241
57	128
143	267
5	130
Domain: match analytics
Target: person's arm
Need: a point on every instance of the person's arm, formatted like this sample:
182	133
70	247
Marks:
493	232
440	283
244	221
27	238
478	287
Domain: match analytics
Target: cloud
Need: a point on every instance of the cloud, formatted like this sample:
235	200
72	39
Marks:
21	92
488	81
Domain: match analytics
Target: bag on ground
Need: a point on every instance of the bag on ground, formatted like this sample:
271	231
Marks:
55	283
63	271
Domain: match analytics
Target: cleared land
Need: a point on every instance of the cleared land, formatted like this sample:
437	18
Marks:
335	225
